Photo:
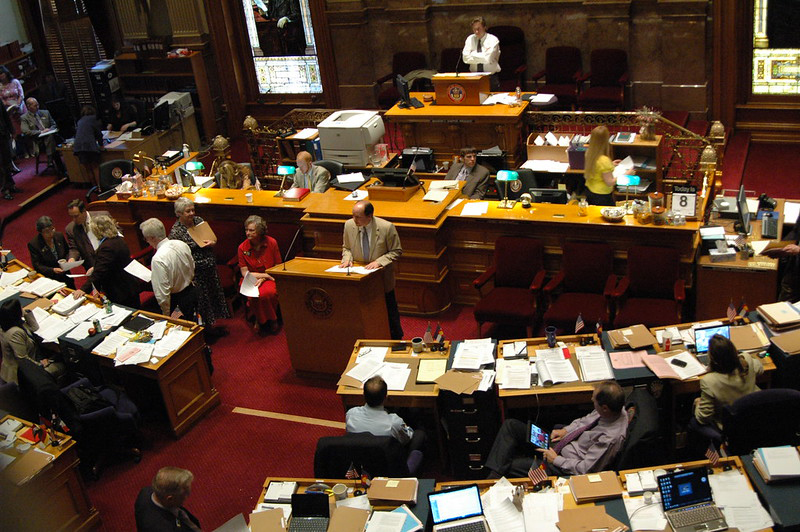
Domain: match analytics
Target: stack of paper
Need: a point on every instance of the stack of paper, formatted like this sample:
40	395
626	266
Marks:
635	337
777	463
472	354
9	278
514	374
780	316
553	368
594	363
280	491
52	327
680	366
44	286
67	305
738	502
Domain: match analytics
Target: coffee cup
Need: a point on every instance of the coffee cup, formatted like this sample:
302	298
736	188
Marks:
339	492
417	345
249	197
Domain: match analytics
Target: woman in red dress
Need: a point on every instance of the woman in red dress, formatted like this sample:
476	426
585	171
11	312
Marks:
258	253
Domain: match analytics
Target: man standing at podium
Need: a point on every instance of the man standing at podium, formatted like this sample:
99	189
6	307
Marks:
482	52
375	242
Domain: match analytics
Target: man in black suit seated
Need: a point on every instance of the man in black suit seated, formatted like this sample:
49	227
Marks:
475	175
159	508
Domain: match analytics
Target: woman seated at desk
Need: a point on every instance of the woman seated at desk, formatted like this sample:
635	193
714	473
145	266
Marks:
731	376
258	253
599	169
237	176
47	248
18	343
123	117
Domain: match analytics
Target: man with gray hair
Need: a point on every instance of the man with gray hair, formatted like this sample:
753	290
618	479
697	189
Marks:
159	508
39	124
172	270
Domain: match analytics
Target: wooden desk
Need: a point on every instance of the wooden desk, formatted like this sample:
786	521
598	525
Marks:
55	499
448	128
779	498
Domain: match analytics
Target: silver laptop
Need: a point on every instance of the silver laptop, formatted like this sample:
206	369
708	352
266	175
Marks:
458	510
687	501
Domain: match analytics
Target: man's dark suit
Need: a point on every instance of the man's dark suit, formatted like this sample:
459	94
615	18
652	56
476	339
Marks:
477	180
293	32
80	247
109	275
44	261
151	518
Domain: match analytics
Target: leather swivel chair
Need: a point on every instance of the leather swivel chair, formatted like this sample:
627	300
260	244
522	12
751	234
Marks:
652	292
335	168
643	444
111	173
607	80
562	70
586	282
402	64
379	455
450	60
518	275
512	56
766	418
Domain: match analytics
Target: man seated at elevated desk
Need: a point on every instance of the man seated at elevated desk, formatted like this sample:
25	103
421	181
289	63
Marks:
476	177
586	445
310	176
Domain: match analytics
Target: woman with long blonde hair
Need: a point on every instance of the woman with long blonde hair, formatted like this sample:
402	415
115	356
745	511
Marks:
599	168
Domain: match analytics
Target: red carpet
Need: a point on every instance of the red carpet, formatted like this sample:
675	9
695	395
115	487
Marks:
29	184
773	169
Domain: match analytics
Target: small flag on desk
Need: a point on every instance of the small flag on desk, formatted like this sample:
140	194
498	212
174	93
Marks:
731	313
579	323
712	454
598	327
427	337
438	330
365	478
352	473
743	310
537	475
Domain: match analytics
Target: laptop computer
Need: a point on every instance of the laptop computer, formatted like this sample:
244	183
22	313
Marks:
688	505
703	335
310	512
457	510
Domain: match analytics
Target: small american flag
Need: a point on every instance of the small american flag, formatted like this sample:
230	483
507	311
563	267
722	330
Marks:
712	454
537	475
352	473
579	324
598	327
731	311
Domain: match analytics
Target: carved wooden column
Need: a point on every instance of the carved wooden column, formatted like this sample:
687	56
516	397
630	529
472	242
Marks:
189	25
132	20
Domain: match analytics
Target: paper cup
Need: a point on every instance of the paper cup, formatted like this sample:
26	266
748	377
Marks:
249	197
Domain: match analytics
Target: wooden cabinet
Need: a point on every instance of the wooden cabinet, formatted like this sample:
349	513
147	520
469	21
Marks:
149	78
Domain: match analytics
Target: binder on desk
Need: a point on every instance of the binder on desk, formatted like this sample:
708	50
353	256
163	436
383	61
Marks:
788	342
779	315
749	337
402	490
777	463
595	486
635	336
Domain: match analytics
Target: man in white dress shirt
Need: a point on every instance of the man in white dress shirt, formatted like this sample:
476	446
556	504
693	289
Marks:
482	52
172	269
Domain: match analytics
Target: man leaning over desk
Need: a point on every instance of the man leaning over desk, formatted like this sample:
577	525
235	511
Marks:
475	175
586	445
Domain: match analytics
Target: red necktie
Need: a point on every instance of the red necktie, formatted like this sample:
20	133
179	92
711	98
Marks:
574	435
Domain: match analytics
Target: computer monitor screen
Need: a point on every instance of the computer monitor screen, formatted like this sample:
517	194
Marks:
401	85
549	195
744	212
703	335
395	177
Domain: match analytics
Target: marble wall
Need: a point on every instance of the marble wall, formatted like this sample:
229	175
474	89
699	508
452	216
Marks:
668	41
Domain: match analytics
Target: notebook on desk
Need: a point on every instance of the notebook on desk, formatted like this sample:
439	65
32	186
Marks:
688	505
457	509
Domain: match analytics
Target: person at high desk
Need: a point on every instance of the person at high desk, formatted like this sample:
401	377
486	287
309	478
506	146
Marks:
47	248
310	176
476	177
172	270
123	117
586	445
374	241
598	171
482	52
37	122
88	143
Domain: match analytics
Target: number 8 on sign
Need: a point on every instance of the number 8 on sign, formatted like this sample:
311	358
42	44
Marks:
684	203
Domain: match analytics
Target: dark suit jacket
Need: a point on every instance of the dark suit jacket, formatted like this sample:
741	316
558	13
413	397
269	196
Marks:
43	259
79	244
151	518
477	180
109	275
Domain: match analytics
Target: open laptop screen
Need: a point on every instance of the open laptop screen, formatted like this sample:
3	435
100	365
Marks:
310	505
454	504
702	336
684	488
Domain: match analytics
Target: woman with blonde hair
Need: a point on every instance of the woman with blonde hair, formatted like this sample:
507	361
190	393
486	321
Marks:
108	275
237	176
599	168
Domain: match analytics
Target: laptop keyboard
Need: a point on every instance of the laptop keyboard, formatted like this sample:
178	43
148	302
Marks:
308	524
475	526
694	515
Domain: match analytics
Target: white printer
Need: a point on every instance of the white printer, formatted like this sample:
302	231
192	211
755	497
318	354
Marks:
349	136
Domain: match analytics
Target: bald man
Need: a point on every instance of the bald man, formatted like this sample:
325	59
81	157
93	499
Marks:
37	122
374	241
314	178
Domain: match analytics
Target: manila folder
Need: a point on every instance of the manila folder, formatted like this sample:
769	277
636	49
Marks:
595	486
393	490
202	232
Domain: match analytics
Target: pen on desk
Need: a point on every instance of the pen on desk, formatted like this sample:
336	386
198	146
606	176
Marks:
524	347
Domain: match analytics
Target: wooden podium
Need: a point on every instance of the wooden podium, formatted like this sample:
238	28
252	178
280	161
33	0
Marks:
325	313
463	89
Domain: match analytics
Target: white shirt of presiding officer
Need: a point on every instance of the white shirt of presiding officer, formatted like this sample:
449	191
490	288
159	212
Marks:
489	56
172	271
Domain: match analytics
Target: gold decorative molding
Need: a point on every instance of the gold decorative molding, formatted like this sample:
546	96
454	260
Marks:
188	19
132	19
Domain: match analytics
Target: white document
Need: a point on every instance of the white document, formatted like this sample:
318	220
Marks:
70	264
541	511
362	502
355	177
748	515
477	208
117	316
791	210
285	508
395	374
52	327
111	343
555	371
472	354
543	98
133	353
693	366
443	184
650	518
174	340
306	133
556	353
137	269
436	195
517	375
363	371
455	203
594	363
633	485
500	97
84	313
360	270
44	287
280	491
157	329
503	515
372	353
487	379
551	139
80	331
647	479
515	349
357	195
248	287
7	292
67	305
386	522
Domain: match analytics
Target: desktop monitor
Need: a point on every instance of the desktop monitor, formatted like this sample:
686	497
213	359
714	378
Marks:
401	85
395	177
549	195
743	219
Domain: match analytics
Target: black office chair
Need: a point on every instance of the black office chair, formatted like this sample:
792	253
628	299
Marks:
380	455
111	173
643	444
766	418
335	168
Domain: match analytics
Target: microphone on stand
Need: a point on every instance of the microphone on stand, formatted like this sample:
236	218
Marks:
286	256
458	62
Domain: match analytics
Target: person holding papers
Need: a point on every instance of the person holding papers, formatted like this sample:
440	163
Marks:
257	254
47	248
586	445
112	255
482	52
374	241
37	122
598	171
210	297
17	343
159	508
373	418
731	376
475	175
82	242
314	178
172	269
